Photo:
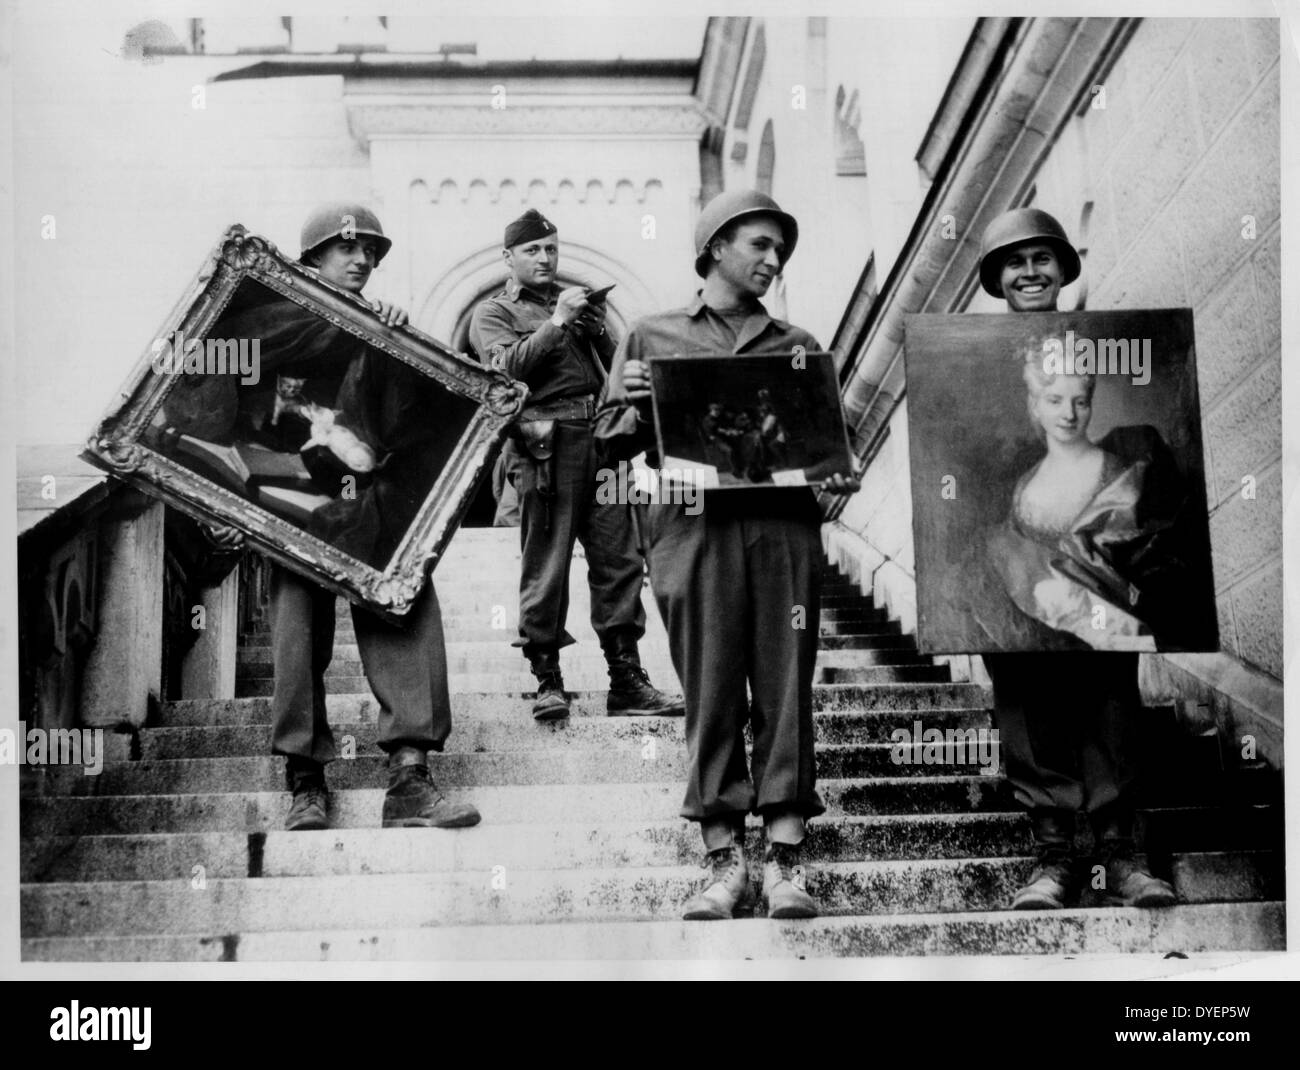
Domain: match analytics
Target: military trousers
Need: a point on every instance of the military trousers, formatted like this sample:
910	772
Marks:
558	508
405	665
1067	727
740	597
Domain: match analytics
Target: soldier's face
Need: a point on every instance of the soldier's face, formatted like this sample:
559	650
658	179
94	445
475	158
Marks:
752	259
348	263
1031	278
534	263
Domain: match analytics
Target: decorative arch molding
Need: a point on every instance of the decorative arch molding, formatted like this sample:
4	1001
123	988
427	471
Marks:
536	191
449	301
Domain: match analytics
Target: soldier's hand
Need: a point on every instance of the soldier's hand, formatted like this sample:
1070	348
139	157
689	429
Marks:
571	304
636	380
223	536
841	484
592	320
389	313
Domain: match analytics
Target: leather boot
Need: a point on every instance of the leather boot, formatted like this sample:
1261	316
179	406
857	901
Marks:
630	691
1054	879
551	702
414	801
726	890
311	798
1128	881
784	886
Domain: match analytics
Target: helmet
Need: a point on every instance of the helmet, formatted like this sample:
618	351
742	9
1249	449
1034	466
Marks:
727	207
1016	227
329	221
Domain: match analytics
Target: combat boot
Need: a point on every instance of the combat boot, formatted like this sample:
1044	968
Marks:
726	891
414	801
311	798
630	691
784	883
1053	880
1128	881
551	702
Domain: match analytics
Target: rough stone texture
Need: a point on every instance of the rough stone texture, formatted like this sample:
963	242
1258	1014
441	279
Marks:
1149	56
1268	286
1221	72
123	671
1228	335
1157	152
1228	641
1261	36
1246	533
1239	176
1257	605
1243	430
1150	275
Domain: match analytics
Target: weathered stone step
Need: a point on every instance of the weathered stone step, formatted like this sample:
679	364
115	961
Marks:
623	760
926	672
264	811
1186	930
466	897
474	735
510	704
499	658
571	845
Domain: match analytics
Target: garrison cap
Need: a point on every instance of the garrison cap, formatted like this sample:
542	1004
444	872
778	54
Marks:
528	227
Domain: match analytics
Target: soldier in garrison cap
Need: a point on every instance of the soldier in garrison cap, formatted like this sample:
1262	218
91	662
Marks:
728	580
556	342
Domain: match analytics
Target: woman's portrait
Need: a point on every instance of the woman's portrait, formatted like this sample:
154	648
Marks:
1076	518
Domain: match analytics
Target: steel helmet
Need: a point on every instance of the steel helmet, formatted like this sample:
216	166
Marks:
329	221
727	207
1016	227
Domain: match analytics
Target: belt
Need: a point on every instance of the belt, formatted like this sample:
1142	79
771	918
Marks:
579	408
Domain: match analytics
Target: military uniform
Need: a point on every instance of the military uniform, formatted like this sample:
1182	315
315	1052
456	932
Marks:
727	583
556	485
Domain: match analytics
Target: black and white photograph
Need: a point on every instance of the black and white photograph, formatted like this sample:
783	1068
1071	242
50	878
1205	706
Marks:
771	420
646	493
1077	439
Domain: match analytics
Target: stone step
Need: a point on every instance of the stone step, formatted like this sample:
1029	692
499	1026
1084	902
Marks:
623	760
223	741
522	682
917	672
1183	930
510	705
501	659
506	894
357	851
264	811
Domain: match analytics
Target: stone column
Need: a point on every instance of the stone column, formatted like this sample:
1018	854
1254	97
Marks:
123	673
208	670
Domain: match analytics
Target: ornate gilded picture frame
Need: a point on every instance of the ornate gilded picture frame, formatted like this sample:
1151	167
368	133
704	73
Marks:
278	404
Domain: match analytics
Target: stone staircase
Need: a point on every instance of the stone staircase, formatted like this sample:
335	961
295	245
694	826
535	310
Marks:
175	852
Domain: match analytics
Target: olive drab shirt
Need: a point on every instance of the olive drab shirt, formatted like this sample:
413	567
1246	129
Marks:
513	333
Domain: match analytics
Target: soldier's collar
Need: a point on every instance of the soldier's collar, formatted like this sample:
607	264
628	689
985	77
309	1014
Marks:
697	306
515	291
